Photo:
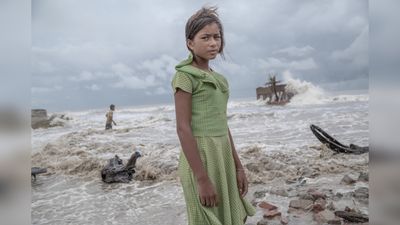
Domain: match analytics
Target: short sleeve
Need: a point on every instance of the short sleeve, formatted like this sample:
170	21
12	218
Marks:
182	81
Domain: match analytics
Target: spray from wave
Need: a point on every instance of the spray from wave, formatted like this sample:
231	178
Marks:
306	93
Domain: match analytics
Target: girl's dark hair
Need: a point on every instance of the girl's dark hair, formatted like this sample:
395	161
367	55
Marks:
202	18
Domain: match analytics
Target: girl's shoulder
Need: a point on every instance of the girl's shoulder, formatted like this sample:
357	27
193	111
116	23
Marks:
183	81
180	77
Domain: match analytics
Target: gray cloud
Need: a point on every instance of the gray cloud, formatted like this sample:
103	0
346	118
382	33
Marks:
276	63
356	53
128	49
295	51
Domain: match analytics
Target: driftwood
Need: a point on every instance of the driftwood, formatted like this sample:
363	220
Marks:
37	170
116	171
352	216
335	145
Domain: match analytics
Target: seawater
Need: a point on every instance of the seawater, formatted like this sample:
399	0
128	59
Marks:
72	192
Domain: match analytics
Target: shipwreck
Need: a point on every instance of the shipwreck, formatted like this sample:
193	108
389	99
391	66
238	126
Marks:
274	93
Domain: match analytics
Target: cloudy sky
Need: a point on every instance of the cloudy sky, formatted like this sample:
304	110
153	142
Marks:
88	54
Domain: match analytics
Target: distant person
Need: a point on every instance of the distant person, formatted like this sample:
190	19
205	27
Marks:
213	178
110	119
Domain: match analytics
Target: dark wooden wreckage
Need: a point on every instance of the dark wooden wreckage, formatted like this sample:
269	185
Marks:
278	97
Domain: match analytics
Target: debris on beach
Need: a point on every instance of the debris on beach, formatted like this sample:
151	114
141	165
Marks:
37	170
276	94
310	189
39	119
116	171
335	145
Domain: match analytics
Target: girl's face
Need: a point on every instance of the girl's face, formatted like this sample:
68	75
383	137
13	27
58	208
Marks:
207	42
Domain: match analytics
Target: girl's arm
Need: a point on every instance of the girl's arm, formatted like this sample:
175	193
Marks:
240	175
183	110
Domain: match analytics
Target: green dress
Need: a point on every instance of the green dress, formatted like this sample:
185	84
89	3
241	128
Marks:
210	95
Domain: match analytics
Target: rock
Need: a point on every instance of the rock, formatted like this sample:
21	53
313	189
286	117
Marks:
306	196
331	206
364	177
305	171
317	195
291	181
338	195
254	167
267	206
259	194
268	222
254	202
280	192
348	209
361	194
300	204
262	222
271	213
319	205
284	220
347	180
326	217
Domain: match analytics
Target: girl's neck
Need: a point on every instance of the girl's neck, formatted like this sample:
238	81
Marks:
201	64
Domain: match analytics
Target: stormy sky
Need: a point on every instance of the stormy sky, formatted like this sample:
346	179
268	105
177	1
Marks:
89	54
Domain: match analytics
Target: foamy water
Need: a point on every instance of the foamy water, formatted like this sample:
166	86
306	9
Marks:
73	193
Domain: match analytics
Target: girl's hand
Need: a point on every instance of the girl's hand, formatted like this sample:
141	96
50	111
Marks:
242	182
207	194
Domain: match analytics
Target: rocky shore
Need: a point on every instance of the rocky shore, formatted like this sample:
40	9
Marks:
318	187
309	185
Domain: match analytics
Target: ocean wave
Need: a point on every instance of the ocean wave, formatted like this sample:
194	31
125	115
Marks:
249	115
84	154
350	98
307	93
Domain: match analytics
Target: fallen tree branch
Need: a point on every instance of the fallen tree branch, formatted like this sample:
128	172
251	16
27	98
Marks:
335	145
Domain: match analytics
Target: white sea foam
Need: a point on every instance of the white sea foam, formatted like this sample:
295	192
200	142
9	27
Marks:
306	93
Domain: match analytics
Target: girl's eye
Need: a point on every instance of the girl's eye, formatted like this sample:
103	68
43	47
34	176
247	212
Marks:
205	38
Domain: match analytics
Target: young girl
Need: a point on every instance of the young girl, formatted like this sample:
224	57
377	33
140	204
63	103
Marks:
212	176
